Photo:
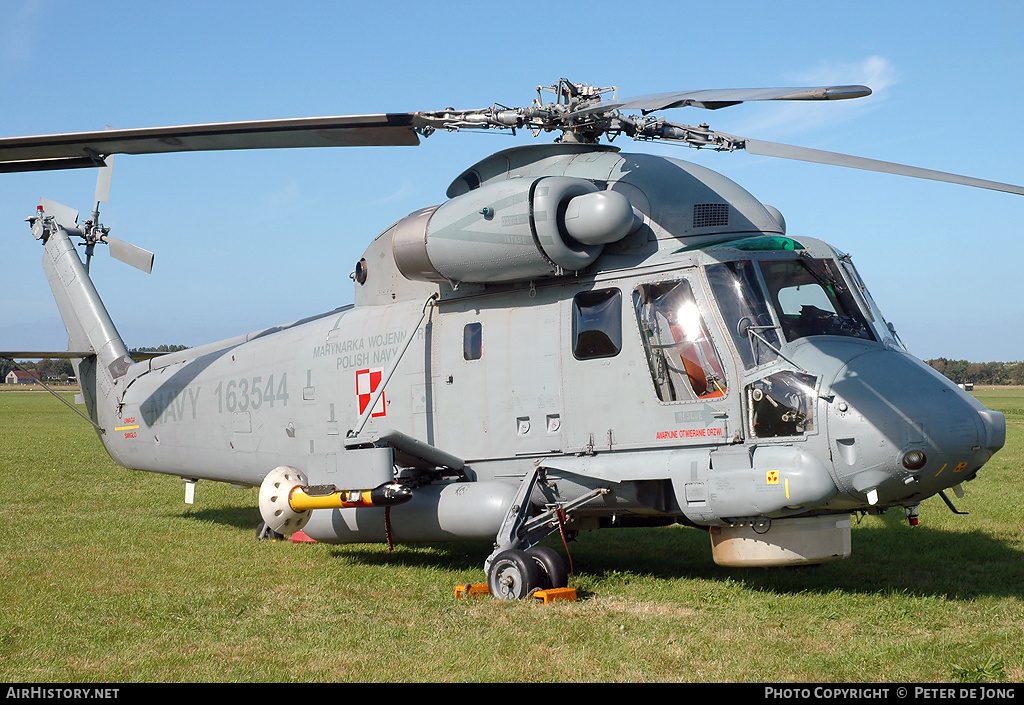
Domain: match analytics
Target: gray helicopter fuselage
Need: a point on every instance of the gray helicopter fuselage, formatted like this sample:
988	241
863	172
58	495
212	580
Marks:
705	367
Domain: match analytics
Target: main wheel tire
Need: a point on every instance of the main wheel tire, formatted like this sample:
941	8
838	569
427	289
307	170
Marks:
514	575
552	566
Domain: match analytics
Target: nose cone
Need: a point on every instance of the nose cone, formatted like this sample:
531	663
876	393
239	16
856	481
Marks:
900	432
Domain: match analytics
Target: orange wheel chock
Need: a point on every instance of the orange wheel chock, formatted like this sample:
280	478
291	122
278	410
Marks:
556	595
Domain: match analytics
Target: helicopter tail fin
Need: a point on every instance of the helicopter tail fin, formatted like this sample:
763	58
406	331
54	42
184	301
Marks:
87	322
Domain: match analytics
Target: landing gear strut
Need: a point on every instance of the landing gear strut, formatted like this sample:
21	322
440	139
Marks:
514	573
264	532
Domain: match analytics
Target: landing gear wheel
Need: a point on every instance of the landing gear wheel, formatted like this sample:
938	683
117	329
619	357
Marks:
552	566
514	575
264	532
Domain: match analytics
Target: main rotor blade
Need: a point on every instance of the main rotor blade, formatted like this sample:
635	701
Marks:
715	98
80	149
130	254
785	151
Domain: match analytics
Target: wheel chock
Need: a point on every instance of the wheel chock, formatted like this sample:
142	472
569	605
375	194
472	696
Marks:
464	592
556	595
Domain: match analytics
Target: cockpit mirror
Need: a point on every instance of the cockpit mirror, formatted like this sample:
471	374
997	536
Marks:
743	327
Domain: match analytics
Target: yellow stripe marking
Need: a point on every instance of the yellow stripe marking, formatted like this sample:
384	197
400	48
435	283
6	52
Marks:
787	488
940	470
126	428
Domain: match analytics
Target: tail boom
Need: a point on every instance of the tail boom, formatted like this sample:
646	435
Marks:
87	322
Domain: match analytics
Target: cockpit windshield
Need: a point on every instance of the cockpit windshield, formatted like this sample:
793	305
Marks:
808	295
811	298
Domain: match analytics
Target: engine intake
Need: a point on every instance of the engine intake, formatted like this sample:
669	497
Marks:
512	230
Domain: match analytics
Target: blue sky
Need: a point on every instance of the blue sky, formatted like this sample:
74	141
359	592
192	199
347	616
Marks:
245	240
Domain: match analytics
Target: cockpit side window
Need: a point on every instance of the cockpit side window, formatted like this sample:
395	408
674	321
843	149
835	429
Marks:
782	404
683	361
741	300
811	299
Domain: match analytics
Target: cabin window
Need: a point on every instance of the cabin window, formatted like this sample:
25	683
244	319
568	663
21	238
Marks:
472	337
683	361
597	324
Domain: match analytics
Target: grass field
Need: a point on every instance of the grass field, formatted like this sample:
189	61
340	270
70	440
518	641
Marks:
107	576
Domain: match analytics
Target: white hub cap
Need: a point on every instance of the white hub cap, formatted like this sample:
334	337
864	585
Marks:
274	506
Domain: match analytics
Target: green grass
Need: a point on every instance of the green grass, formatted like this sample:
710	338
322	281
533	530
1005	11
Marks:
107	576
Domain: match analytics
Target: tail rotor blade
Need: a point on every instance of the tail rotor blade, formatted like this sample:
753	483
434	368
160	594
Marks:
65	216
103	180
130	254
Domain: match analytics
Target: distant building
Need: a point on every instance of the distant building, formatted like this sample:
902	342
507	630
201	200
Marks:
19	377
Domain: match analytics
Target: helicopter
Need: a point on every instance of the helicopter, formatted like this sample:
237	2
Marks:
577	338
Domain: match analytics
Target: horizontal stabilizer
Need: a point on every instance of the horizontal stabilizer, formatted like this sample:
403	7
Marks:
41	355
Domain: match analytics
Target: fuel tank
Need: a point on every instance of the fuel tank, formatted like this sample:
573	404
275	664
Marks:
456	511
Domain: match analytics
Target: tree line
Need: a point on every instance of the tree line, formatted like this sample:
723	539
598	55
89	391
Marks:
964	372
959	371
47	369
